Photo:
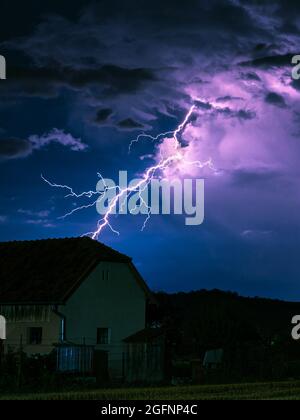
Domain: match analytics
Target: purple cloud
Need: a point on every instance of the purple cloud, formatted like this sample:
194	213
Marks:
231	59
57	136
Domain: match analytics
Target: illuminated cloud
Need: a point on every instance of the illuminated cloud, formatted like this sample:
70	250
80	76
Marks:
145	69
60	137
21	148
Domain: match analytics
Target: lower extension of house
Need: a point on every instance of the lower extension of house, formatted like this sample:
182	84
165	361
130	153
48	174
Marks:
76	297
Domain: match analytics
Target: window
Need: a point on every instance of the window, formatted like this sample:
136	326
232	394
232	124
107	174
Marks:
105	275
35	335
103	335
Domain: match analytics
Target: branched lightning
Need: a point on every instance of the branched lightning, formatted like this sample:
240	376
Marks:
88	194
149	174
148	136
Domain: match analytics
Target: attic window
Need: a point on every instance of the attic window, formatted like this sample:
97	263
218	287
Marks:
103	335
105	275
35	335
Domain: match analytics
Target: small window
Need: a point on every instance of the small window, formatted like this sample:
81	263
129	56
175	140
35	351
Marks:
35	335
105	275
103	335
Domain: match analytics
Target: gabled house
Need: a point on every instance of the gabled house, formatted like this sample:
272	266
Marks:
74	296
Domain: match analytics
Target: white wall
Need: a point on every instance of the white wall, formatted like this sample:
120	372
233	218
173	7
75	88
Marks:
17	329
109	298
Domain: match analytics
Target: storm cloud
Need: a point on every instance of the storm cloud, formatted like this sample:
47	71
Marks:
14	148
108	71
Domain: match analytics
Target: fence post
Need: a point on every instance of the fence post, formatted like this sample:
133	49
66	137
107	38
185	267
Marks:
19	377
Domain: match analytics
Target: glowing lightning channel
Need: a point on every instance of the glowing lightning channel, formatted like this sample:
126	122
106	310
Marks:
148	136
174	133
183	124
88	194
141	185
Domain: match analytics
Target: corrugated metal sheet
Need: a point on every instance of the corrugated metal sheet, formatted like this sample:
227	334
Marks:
144	362
213	357
26	313
75	359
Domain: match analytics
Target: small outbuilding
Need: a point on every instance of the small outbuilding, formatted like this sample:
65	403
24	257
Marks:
213	359
145	356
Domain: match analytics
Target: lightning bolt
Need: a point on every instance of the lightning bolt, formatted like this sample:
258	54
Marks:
140	185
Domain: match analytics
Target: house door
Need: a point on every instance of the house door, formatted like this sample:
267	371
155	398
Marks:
101	366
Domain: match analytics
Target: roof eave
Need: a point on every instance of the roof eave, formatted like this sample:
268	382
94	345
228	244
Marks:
31	303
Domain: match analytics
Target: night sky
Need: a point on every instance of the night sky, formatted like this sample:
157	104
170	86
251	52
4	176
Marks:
85	78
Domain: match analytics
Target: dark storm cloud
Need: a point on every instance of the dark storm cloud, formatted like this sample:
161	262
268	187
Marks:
117	52
242	114
270	61
118	79
40	81
14	148
223	14
203	105
143	63
287	9
228	98
296	84
282	8
129	124
275	99
245	114
104	118
103	115
263	48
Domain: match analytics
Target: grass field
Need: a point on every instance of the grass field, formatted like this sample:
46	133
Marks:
256	391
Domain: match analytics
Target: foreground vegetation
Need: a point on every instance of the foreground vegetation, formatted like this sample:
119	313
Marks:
256	391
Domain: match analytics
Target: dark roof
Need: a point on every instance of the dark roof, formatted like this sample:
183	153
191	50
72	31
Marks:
145	336
49	271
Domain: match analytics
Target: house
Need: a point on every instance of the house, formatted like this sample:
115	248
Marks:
74	296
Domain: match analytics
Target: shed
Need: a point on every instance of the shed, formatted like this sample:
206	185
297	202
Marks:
213	359
144	357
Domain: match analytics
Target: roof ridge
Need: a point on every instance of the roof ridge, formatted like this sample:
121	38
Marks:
13	241
68	238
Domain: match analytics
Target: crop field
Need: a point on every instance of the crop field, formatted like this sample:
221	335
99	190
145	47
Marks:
254	391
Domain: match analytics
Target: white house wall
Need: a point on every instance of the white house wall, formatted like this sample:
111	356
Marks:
18	331
109	298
